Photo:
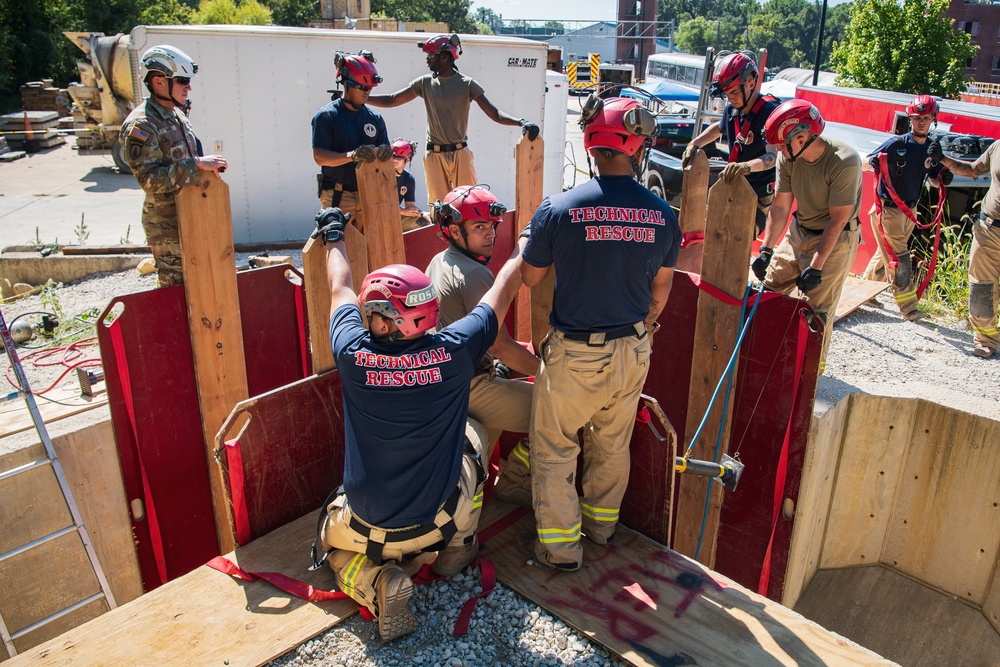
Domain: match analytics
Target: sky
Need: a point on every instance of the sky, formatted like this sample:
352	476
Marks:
578	10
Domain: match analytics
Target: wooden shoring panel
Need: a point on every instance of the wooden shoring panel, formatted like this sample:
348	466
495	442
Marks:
653	606
25	520
694	211
856	292
291	450
56	627
819	470
877	432
206	231
314	255
15	418
726	255
991	607
61	565
209	618
380	209
945	523
529	165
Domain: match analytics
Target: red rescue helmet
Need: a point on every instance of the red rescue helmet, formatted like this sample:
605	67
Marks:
357	71
467	203
791	118
404	149
922	104
403	294
616	123
736	68
441	44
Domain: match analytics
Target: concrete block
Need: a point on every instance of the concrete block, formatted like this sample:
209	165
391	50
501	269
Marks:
32	269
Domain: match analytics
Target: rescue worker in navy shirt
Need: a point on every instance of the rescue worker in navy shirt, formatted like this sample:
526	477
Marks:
345	132
413	470
410	215
735	78
908	166
613	245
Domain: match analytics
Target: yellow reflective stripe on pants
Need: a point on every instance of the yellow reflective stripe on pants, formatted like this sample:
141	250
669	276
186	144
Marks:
606	514
477	500
351	575
985	331
520	452
556	535
903	297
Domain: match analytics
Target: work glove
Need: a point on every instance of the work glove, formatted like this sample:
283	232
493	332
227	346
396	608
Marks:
383	153
934	151
809	279
946	177
364	153
759	265
501	370
873	161
526	232
330	223
689	152
733	171
530	129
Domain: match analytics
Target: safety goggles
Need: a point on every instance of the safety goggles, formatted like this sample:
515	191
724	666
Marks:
183	80
354	84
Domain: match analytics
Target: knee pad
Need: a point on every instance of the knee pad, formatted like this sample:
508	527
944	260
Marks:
981	299
903	271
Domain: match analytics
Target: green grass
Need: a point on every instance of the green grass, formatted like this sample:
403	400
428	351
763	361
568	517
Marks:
948	293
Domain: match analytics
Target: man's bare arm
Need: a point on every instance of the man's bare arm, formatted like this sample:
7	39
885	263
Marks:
513	354
398	98
338	273
777	218
495	114
662	282
967	169
508	282
325	158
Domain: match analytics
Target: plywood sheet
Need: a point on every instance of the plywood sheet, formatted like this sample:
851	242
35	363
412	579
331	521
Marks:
899	618
208	618
314	257
826	436
877	434
529	163
991	607
694	211
15	418
944	529
380	206
25	519
856	292
653	606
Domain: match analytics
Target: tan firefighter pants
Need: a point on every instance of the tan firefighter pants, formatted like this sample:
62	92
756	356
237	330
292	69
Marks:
793	256
350	202
444	172
356	573
577	384
898	229
984	271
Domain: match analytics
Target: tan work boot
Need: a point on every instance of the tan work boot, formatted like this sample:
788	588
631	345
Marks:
981	350
508	491
527	544
392	600
913	316
451	560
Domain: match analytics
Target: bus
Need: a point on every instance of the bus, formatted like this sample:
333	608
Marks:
681	68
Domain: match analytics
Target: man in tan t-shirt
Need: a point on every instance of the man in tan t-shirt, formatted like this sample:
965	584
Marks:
984	257
448	94
823	177
468	218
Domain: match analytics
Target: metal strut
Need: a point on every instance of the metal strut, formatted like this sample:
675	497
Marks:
52	459
728	471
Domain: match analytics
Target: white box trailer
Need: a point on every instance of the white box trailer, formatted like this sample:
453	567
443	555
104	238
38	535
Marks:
258	87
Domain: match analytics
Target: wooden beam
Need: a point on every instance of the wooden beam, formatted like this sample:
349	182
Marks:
380	210
529	163
206	233
726	257
694	210
317	286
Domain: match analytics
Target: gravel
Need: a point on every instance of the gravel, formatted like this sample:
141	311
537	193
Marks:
873	350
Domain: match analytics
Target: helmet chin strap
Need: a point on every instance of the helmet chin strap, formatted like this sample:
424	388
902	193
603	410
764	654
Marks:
793	157
746	98
481	259
171	99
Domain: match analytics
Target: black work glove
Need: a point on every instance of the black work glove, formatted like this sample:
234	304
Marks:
330	223
383	153
934	151
809	279
759	265
530	129
364	153
500	369
946	177
873	161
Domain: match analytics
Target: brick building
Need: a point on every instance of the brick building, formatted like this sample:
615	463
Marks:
981	19
636	32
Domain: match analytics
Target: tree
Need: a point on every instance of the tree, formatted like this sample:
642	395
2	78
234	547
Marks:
908	48
453	12
227	12
697	34
788	30
293	12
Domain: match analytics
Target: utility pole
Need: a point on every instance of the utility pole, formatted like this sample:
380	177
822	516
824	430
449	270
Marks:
819	44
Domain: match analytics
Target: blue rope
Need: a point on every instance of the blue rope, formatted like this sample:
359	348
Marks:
727	375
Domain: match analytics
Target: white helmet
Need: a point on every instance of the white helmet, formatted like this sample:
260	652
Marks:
169	61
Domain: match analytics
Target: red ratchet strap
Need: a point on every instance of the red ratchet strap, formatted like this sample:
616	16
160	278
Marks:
691	238
883	177
737	147
155	537
300	321
234	462
782	470
725	298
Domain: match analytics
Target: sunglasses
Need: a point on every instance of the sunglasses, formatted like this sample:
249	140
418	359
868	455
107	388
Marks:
183	80
354	84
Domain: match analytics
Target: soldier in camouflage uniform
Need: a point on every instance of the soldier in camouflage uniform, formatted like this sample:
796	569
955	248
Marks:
163	153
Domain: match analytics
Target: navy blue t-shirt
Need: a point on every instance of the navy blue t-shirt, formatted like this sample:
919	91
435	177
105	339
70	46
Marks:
405	406
336	128
405	185
751	142
607	238
908	165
